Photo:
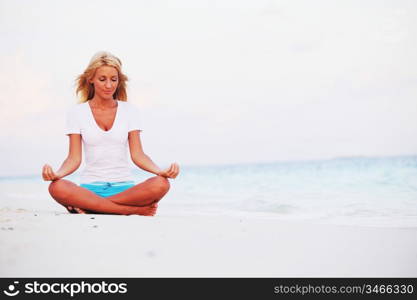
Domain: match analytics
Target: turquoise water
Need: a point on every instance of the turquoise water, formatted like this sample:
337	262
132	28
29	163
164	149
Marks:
374	191
352	191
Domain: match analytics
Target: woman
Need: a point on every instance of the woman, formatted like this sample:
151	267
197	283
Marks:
104	123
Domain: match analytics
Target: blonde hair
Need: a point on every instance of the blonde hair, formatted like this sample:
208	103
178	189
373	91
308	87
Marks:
85	89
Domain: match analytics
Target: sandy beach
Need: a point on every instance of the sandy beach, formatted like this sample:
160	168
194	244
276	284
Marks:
58	244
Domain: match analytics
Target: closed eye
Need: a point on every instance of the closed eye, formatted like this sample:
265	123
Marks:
114	79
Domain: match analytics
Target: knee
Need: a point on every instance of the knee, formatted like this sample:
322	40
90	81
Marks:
58	189
161	185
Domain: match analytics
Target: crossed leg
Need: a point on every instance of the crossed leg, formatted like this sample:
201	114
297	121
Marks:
140	199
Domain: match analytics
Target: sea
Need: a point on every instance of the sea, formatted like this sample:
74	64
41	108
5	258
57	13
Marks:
351	191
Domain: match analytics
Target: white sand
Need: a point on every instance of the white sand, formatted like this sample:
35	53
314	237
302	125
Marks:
174	245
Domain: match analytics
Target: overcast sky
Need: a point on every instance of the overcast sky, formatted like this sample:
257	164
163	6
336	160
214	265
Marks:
216	81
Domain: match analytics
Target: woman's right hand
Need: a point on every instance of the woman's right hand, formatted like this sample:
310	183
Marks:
48	174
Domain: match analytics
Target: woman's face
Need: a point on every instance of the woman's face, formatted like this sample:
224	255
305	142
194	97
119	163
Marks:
105	80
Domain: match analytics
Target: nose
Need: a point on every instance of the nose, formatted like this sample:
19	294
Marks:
108	84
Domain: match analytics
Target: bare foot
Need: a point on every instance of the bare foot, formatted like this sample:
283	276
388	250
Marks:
76	210
80	211
71	209
147	210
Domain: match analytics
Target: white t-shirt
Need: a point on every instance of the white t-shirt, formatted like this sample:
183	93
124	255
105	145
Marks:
105	151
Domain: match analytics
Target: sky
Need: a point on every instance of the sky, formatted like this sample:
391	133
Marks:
216	82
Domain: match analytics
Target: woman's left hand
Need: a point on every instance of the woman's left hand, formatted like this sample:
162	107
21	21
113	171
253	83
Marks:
171	172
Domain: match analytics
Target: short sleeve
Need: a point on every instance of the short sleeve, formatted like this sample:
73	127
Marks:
72	123
134	119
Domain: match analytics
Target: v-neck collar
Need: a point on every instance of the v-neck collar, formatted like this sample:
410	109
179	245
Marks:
94	119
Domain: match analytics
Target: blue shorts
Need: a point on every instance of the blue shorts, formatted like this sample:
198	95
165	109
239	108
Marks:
106	189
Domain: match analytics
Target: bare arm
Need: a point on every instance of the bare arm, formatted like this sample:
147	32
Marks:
139	158
71	163
144	162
